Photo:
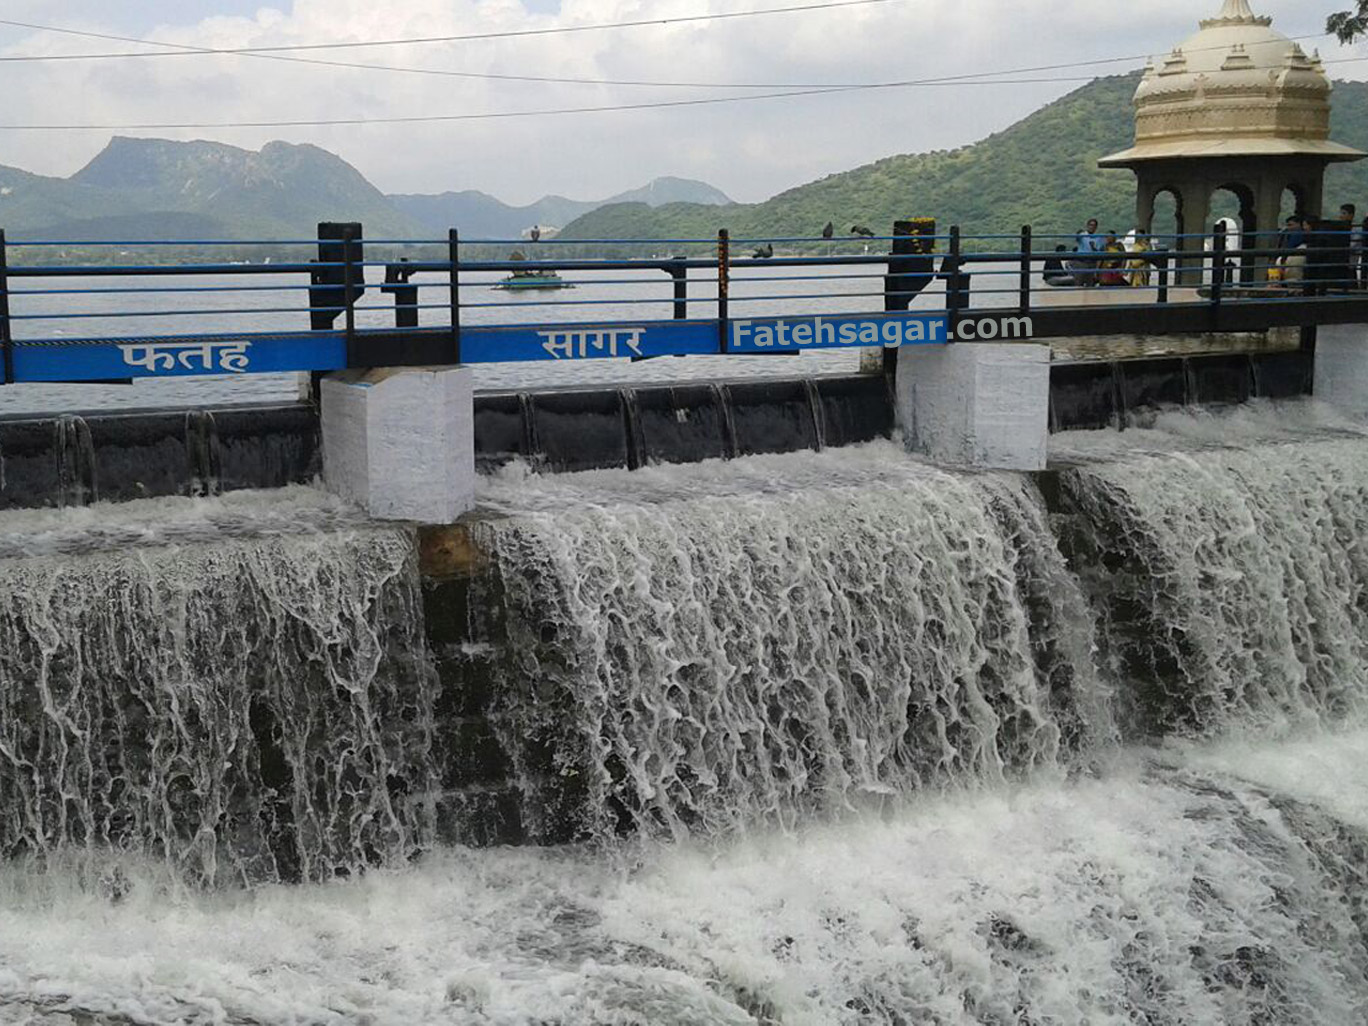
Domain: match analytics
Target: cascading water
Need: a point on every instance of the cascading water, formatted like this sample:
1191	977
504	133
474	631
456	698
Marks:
250	709
782	673
700	663
1231	583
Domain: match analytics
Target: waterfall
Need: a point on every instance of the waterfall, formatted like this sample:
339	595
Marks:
700	663
1230	584
242	710
892	744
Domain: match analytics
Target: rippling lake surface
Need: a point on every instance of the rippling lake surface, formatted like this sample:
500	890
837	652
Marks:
607	296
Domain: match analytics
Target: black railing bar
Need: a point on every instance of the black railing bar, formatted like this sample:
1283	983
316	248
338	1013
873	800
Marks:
161	270
150	314
160	291
516	304
6	328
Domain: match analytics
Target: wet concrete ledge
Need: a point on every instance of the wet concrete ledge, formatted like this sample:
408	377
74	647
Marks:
77	459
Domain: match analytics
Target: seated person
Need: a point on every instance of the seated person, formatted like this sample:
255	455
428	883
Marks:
1113	260
1055	273
1138	266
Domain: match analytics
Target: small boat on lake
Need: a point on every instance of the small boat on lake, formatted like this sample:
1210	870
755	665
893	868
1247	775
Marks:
530	279
519	281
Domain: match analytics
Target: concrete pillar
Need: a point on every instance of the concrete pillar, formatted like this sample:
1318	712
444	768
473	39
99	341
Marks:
982	405
401	442
1342	367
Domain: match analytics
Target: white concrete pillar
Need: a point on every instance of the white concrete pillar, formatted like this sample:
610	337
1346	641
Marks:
981	405
401	442
1342	367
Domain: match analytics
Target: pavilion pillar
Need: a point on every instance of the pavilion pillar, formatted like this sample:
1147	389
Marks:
400	442
1144	207
1195	217
1268	213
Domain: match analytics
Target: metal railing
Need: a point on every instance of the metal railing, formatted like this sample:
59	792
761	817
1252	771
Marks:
453	301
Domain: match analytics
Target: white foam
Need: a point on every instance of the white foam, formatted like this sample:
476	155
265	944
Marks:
1146	893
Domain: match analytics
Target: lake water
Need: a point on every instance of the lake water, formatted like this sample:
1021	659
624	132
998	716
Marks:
278	303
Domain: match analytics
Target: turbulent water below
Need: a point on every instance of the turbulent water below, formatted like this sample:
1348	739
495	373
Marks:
1182	887
896	746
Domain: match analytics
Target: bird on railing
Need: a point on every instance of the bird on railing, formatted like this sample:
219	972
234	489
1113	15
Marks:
536	233
862	231
829	230
764	252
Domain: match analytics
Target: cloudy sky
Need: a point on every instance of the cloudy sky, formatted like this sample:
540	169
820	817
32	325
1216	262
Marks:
751	150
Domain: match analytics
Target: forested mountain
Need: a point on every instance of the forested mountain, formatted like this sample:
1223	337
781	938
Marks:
482	216
1041	171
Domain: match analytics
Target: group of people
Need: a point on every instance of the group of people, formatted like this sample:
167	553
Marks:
1327	254
1101	261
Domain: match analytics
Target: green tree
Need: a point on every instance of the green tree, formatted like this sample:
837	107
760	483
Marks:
1349	25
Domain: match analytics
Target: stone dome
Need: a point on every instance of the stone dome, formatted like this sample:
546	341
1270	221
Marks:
1237	88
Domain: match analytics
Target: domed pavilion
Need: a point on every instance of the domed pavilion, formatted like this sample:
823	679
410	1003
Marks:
1237	107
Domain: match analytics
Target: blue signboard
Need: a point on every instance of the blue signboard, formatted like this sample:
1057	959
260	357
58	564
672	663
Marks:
184	355
589	341
757	336
178	356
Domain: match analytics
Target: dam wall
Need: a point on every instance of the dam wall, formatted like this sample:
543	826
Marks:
78	459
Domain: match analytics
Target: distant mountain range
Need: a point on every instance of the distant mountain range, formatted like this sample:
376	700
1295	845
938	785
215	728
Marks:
171	191
1041	171
481	216
155	189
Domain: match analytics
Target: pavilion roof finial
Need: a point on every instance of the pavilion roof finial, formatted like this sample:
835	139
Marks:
1236	12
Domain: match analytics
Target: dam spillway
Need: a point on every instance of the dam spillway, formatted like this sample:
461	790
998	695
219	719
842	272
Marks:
842	737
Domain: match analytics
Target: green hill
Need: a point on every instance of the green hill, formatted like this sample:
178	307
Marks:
482	216
1041	171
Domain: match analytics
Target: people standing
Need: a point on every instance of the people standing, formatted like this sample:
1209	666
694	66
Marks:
1291	260
1343	271
1090	246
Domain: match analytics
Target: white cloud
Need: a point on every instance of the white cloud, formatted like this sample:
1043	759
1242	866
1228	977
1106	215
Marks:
751	150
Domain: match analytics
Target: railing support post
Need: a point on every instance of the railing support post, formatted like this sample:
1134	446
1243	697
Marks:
454	287
1026	250
349	293
723	289
954	280
6	338
1163	296
680	274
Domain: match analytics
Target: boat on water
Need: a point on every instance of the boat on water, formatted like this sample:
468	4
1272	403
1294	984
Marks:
528	279
520	281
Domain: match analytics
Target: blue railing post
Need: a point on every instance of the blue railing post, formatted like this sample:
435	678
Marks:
723	289
454	256
6	339
1026	248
